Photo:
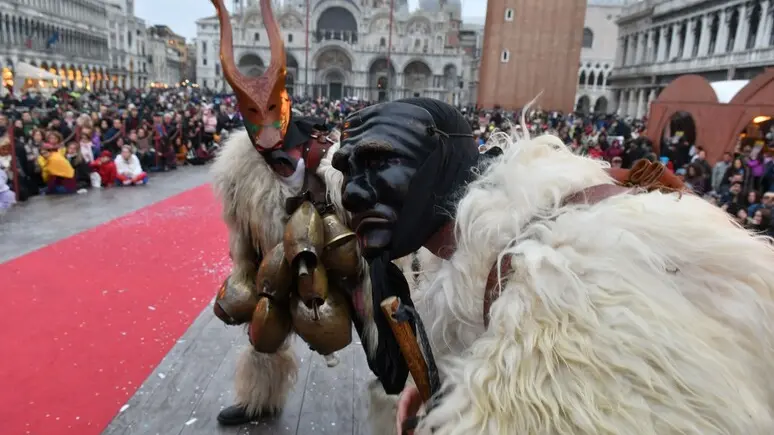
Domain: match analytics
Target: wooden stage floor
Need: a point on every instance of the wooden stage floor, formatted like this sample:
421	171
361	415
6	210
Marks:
194	382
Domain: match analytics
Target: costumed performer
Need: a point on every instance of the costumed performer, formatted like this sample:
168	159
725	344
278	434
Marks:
279	195
572	298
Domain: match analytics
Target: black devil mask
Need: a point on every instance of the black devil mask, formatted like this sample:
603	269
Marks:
405	163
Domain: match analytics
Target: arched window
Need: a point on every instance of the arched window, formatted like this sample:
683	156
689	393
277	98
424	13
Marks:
509	14
588	38
382	42
505	56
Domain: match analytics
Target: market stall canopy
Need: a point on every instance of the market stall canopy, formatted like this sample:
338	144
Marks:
26	71
726	90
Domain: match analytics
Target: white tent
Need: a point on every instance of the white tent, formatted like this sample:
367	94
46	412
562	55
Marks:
24	71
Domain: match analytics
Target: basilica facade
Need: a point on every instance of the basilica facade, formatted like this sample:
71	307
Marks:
348	48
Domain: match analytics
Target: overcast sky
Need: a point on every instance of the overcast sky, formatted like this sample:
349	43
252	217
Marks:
181	15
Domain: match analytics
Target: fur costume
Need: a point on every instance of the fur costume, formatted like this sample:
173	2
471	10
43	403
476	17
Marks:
252	196
646	314
277	163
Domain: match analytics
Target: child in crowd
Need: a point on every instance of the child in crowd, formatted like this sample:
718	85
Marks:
106	168
56	171
129	169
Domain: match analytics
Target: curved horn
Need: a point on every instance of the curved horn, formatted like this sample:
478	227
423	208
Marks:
263	100
230	70
276	43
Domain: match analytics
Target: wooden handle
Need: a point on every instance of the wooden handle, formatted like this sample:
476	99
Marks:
408	347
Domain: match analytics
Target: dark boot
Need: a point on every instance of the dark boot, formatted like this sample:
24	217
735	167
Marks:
236	415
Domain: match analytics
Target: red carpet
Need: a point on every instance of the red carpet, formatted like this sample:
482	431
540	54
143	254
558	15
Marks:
86	320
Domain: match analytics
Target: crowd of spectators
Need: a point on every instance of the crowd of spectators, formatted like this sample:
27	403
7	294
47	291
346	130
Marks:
71	143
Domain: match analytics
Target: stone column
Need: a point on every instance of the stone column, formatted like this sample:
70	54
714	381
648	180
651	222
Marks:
647	45
662	43
722	39
705	21
632	105
629	50
690	38
640	103
642	44
675	45
764	27
621	102
651	98
619	52
742	28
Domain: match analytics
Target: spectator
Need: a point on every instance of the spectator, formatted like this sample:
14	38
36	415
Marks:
129	169
719	181
7	196
80	166
56	171
106	168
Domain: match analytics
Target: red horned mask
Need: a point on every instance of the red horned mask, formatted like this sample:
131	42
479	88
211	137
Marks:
263	101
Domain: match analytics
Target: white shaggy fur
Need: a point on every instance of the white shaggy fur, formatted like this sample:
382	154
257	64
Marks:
645	314
260	390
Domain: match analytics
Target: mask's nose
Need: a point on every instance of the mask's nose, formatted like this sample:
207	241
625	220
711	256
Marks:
358	196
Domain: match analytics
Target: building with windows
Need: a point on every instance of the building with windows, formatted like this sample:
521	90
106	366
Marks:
598	48
167	56
525	56
68	38
472	43
347	53
127	41
660	40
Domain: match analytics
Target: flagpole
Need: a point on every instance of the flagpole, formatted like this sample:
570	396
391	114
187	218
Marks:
306	54
389	51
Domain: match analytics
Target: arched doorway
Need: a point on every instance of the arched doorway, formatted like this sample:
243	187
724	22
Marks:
334	80
8	73
758	132
600	107
336	23
583	105
381	78
681	126
334	66
251	65
417	78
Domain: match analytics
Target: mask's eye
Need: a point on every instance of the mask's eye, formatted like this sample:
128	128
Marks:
373	163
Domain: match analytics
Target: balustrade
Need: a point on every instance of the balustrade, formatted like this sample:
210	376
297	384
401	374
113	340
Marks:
347	36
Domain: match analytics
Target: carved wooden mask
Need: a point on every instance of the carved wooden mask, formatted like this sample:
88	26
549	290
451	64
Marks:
263	101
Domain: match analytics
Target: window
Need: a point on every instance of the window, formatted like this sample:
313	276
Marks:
588	38
290	38
204	61
217	70
382	42
509	14
256	36
505	56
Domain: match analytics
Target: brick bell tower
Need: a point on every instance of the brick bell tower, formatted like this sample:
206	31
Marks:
531	46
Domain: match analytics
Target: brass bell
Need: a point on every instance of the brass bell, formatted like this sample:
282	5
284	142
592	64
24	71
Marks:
235	302
274	275
304	236
327	328
312	284
342	252
270	326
